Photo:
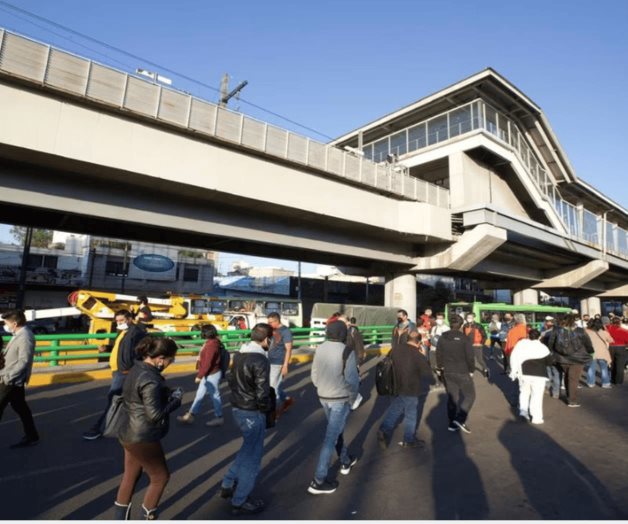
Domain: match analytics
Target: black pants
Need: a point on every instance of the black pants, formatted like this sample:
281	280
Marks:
573	372
618	354
478	351
15	396
460	396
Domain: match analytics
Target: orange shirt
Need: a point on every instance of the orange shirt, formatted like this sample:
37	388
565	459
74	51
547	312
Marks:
518	332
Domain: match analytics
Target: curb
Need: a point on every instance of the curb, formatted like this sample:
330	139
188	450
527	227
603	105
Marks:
73	377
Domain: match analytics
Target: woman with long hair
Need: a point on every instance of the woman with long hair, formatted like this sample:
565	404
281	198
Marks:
148	403
208	377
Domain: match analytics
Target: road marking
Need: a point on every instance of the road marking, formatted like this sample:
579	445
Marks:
55	469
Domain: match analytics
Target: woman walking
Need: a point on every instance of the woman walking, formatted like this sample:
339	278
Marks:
601	340
208	378
572	349
148	403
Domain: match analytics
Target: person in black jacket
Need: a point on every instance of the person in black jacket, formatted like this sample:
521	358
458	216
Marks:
572	350
454	359
412	375
249	382
148	403
121	360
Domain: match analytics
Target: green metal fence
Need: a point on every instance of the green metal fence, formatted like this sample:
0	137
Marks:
66	349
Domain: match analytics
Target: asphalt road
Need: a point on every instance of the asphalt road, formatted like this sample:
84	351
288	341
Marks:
572	467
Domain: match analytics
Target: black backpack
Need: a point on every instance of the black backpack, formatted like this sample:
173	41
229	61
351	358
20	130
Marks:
385	377
225	359
566	342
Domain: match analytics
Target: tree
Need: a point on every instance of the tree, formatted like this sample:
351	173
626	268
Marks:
41	237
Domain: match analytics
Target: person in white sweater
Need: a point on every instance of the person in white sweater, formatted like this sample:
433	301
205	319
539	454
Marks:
528	362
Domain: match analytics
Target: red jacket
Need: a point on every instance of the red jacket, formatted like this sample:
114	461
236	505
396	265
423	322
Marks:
619	334
209	358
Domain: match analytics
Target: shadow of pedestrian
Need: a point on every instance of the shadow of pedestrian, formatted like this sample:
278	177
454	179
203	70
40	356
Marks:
556	484
457	487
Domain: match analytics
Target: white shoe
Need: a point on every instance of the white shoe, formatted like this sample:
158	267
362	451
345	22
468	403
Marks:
537	421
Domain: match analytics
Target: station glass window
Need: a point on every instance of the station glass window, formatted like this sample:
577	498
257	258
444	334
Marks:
417	137
437	130
398	144
190	274
460	121
380	150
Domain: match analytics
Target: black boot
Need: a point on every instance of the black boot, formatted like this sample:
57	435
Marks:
149	514
123	512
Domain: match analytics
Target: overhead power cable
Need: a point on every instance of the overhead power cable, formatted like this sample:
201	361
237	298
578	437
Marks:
146	61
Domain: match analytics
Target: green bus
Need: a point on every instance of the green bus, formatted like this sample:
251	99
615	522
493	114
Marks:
535	314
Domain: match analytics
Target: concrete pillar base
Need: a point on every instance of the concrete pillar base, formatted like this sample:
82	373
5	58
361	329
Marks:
400	291
525	296
591	306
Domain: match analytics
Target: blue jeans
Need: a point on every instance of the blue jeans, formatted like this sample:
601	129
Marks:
606	379
208	386
275	382
554	375
336	412
246	465
406	406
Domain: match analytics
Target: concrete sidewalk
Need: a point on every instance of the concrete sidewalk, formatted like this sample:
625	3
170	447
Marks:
572	467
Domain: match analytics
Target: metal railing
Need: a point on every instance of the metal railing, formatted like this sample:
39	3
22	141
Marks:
83	78
57	350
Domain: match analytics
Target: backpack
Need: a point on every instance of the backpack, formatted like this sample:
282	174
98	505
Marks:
225	359
566	342
385	377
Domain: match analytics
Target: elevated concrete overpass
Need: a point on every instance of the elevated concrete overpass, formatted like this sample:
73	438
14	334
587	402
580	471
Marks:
86	148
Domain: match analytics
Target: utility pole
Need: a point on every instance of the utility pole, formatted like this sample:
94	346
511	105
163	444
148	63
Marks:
21	286
225	95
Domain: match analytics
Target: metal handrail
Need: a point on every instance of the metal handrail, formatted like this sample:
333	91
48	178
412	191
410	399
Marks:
59	348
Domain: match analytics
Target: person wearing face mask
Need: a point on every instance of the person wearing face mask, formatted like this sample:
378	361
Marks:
15	370
402	328
121	360
148	403
435	333
507	325
249	382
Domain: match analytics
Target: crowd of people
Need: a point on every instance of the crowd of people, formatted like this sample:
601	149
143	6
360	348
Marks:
427	355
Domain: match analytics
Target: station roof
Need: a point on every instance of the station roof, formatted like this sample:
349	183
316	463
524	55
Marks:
496	90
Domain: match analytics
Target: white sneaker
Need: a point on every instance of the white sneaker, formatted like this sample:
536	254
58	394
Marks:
537	421
358	401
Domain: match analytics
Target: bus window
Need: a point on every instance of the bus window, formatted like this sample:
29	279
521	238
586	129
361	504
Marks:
272	307
217	306
199	306
289	308
237	305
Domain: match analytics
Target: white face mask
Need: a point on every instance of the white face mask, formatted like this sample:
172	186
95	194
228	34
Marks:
469	320
6	328
123	326
579	323
439	321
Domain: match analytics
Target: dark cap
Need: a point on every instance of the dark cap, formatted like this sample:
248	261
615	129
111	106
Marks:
336	331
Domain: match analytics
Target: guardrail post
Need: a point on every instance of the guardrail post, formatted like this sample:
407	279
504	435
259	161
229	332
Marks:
54	352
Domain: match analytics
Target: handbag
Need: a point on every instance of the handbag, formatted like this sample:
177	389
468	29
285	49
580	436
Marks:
116	417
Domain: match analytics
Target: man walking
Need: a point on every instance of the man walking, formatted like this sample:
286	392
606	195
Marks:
249	382
279	355
16	365
412	373
121	361
454	357
402	328
335	377
477	335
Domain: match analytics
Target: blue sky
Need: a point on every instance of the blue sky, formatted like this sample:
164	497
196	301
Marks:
335	65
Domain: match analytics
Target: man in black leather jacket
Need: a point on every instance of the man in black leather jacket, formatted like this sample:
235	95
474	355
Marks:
249	381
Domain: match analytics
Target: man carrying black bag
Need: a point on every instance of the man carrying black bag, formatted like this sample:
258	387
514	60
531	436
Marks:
455	360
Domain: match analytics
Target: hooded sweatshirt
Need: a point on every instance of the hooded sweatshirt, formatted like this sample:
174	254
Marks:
330	381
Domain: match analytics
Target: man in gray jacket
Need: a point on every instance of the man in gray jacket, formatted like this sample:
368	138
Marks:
15	371
335	376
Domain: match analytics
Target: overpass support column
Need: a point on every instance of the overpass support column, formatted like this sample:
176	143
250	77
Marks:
526	296
400	291
591	306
